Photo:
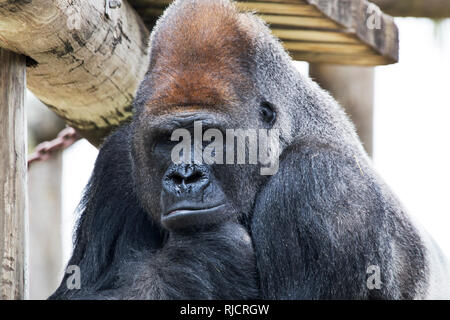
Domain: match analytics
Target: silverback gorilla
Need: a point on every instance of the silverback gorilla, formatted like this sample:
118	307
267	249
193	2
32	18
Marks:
154	229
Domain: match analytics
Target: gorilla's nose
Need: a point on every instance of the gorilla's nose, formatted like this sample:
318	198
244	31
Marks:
185	178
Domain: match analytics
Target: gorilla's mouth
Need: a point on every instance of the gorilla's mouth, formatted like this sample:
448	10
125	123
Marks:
185	215
192	197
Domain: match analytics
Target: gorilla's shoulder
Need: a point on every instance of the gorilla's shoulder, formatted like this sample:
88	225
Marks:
114	159
111	180
117	143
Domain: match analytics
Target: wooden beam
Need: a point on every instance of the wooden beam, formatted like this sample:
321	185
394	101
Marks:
82	63
305	22
332	24
292	9
315	35
437	9
12	176
366	22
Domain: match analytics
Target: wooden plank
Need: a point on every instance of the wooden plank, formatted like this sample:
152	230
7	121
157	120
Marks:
151	14
293	7
315	35
12	176
299	9
345	59
330	22
330	48
164	3
85	65
296	21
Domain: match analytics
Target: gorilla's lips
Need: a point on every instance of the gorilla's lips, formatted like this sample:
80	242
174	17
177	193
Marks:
187	215
192	197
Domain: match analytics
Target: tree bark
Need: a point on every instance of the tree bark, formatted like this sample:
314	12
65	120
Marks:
415	8
12	176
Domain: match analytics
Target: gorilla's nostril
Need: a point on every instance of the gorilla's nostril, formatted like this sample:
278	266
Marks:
194	177
186	178
176	178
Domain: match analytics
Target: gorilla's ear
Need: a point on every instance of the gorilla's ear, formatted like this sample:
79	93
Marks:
314	208
112	223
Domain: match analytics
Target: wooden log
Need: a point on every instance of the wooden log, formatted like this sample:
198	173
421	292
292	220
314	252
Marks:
437	9
12	175
83	64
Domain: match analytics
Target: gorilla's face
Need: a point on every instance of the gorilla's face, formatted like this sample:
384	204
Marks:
203	71
186	194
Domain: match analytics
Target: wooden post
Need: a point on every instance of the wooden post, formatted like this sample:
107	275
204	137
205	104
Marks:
353	87
45	266
12	176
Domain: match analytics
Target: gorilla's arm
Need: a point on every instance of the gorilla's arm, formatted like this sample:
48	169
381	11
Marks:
112	224
121	253
216	263
322	220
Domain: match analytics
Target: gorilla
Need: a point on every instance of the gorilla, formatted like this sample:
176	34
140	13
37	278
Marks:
324	226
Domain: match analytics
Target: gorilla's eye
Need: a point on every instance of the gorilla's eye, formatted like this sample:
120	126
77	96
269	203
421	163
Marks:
267	112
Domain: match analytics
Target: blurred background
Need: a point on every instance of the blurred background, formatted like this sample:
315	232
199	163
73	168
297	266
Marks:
411	150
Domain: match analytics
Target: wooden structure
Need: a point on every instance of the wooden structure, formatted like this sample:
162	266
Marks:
317	31
12	176
89	69
83	64
437	9
85	59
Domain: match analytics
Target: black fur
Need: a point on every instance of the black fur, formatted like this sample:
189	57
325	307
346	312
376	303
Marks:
338	226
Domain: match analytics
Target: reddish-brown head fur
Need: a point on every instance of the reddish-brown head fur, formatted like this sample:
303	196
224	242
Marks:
200	54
